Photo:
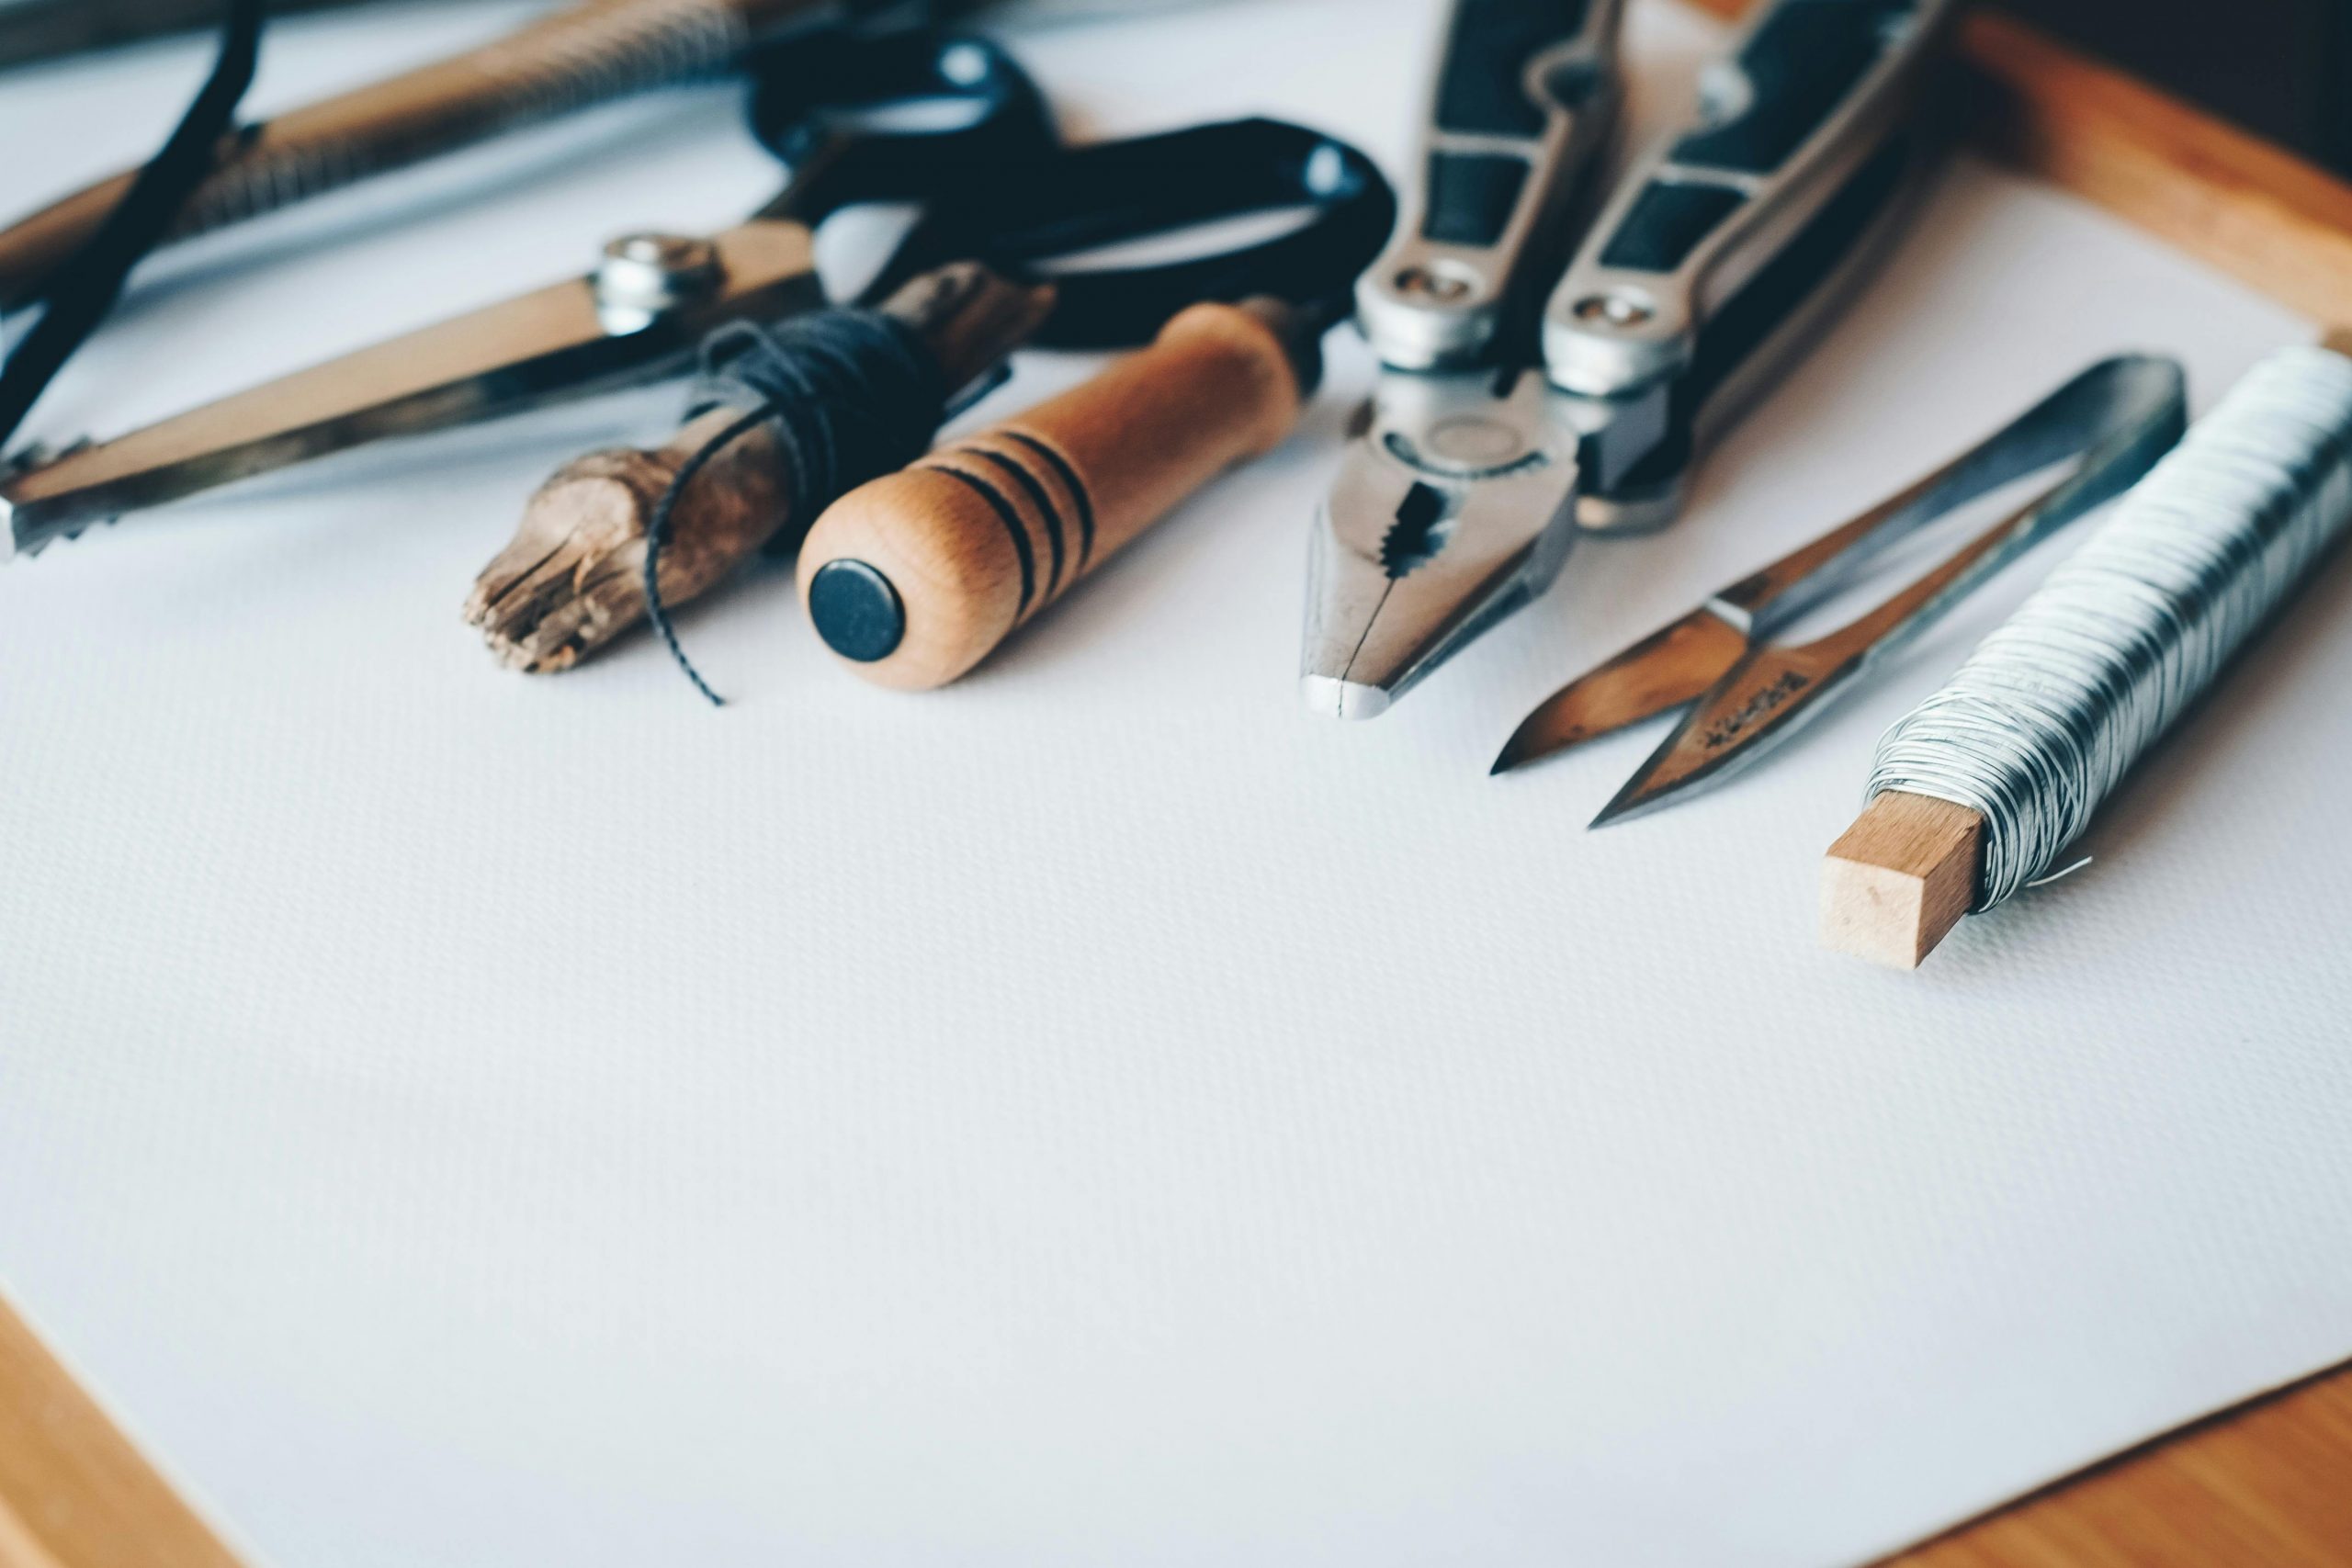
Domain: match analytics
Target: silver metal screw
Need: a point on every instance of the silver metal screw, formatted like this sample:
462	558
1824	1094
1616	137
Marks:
1613	308
1438	286
645	277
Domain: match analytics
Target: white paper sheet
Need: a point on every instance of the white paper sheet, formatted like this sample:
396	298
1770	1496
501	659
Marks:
1099	1113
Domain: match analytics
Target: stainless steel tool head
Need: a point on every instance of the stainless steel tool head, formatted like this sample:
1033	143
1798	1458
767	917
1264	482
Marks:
1760	704
1454	507
1672	666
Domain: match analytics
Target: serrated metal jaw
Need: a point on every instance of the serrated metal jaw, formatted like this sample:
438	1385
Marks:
1451	509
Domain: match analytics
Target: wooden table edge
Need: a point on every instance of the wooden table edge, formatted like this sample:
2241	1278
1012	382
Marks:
76	1491
2265	1483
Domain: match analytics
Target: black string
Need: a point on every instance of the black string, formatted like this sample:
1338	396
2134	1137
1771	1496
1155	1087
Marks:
849	395
77	296
657	535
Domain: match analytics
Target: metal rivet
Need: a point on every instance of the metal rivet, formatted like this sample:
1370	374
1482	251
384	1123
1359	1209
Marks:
643	276
1441	287
1614	309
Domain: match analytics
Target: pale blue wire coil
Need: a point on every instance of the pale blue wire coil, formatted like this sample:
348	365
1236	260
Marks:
2052	709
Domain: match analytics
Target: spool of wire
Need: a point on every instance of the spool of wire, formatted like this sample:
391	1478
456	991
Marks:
2052	709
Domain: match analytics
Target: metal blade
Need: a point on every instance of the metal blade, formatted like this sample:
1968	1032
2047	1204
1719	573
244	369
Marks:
567	340
1760	704
1451	509
1672	666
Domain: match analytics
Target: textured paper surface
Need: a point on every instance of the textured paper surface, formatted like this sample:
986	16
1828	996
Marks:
1098	1113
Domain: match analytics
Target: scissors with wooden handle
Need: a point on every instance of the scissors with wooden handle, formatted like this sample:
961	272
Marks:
821	104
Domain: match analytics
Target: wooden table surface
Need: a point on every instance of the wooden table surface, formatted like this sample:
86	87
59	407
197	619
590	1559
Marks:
2268	1485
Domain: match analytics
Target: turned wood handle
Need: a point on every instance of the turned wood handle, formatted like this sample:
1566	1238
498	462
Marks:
914	578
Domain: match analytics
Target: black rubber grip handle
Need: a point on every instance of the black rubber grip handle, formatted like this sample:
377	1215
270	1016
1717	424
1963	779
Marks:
1482	90
1799	66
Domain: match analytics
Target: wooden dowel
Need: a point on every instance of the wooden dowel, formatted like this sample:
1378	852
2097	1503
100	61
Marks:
913	579
1900	878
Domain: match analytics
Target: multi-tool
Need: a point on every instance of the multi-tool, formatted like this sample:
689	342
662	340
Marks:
1504	423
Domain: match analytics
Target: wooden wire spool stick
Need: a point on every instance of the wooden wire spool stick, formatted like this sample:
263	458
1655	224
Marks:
914	578
1978	792
1898	880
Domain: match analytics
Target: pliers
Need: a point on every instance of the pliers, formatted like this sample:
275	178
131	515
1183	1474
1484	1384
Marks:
1504	423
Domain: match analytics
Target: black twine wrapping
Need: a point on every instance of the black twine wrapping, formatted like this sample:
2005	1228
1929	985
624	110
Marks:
848	394
77	296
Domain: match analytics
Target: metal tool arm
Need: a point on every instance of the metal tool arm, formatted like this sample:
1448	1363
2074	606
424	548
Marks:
1521	109
2095	423
1787	120
2134	410
1709	268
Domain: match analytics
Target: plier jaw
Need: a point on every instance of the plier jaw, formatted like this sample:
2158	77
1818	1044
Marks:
1455	508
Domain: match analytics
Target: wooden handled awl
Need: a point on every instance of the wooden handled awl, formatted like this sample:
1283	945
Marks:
914	578
1900	878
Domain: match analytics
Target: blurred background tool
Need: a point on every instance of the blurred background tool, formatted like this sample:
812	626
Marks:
34	31
581	55
1485	449
820	106
2109	424
84	287
578	56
